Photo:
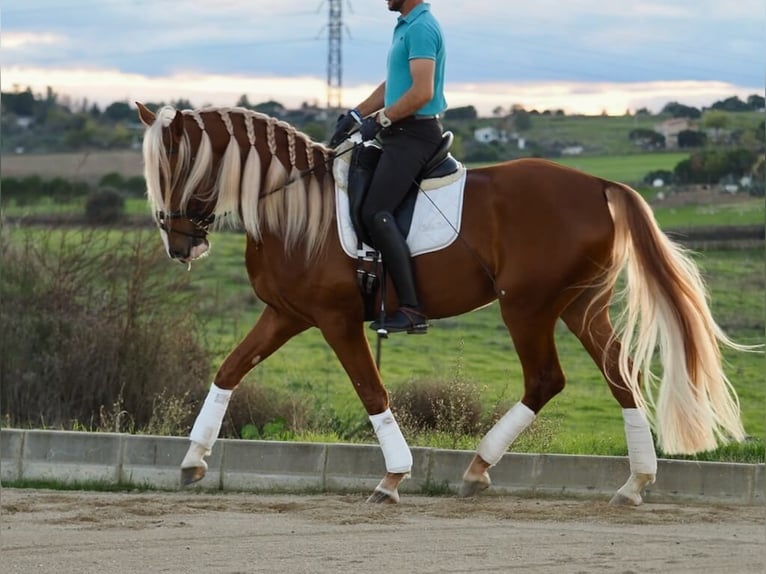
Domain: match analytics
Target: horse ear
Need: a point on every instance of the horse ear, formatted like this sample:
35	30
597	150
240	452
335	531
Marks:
146	116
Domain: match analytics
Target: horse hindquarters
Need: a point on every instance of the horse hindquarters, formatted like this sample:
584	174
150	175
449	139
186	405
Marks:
667	304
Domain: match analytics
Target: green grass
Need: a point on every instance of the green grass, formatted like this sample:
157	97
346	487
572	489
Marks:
46	206
750	212
629	169
600	135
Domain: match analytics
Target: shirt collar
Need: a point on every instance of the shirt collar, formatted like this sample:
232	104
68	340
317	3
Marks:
415	12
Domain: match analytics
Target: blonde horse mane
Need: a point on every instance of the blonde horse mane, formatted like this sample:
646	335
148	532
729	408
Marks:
294	203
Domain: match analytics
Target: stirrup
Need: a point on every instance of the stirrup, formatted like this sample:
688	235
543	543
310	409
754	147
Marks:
410	321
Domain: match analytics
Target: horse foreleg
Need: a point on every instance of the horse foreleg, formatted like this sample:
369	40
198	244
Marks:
204	434
270	332
346	337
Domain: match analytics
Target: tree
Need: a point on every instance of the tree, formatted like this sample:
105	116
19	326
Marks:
691	138
19	103
119	111
681	111
711	166
243	102
716	119
756	102
461	113
522	120
732	104
270	108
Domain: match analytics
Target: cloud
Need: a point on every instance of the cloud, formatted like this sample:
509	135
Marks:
242	46
104	86
20	40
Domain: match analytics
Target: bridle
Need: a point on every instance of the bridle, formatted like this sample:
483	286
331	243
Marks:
201	223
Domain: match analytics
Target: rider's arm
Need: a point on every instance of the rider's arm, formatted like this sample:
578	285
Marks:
373	102
420	92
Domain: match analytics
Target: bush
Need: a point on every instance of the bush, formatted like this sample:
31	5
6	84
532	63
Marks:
256	412
104	207
97	334
451	407
112	179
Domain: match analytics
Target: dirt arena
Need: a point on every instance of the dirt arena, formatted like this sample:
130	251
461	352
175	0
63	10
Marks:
84	532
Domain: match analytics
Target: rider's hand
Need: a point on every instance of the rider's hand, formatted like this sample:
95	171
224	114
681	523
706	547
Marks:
344	125
369	128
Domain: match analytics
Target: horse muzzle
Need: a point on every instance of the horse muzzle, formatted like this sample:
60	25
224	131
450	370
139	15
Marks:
184	248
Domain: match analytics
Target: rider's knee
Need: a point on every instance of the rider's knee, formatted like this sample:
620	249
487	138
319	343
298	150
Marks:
375	219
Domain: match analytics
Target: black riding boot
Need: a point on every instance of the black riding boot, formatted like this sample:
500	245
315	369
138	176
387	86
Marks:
396	257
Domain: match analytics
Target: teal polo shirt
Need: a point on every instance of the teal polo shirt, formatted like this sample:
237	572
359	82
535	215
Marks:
416	35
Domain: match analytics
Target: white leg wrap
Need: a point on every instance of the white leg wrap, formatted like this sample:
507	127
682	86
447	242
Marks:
641	453
208	424
494	444
395	450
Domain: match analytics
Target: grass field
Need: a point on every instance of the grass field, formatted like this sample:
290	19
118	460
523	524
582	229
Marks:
629	169
607	135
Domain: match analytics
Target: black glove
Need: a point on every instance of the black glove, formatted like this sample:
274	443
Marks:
344	125
369	128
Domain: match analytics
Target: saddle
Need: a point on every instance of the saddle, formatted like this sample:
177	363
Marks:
364	160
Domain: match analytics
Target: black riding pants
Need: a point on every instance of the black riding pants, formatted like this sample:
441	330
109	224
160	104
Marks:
407	145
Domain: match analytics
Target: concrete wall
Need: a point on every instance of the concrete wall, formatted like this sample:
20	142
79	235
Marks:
267	466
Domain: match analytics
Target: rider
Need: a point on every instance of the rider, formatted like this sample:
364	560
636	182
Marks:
404	109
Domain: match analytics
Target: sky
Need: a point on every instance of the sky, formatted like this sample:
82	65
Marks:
580	56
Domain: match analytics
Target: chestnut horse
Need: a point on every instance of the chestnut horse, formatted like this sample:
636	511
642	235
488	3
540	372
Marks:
544	240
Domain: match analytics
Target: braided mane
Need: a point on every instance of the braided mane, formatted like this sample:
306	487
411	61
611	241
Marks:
249	166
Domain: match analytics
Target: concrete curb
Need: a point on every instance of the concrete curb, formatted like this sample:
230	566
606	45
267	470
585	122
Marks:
268	466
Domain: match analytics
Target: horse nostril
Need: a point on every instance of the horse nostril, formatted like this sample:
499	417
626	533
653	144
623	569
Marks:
178	253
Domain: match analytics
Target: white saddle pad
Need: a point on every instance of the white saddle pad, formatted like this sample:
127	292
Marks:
435	221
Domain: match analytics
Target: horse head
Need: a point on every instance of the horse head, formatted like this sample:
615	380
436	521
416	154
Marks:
183	221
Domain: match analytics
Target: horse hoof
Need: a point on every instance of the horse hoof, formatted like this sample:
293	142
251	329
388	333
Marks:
191	475
380	496
471	488
622	500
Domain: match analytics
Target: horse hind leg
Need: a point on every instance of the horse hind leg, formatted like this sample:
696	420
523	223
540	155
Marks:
543	379
588	319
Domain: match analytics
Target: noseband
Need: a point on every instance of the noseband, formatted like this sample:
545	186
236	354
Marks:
201	222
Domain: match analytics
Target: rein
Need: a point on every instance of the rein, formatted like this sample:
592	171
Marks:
303	173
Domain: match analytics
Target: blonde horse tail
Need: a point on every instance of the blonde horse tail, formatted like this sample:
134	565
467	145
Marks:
692	405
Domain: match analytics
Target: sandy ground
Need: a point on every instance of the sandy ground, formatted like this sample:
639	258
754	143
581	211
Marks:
84	532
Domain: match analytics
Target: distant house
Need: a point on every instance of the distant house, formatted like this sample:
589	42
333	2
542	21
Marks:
24	121
490	134
672	127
